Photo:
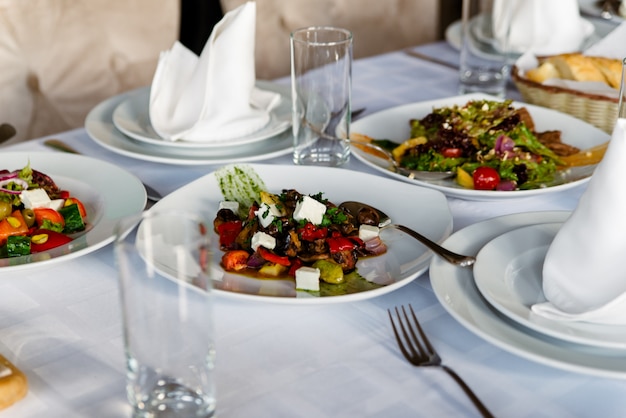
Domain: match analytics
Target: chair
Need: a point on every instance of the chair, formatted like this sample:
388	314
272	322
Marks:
60	58
378	26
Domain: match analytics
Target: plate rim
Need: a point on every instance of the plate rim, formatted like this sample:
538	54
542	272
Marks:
435	197
132	190
268	132
458	192
498	330
571	330
100	128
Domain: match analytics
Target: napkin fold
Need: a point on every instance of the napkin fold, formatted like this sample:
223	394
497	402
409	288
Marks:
212	97
584	278
543	27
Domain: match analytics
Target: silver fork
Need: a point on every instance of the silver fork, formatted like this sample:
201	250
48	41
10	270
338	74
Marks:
425	355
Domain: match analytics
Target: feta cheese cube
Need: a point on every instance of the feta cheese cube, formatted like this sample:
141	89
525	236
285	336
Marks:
56	204
308	278
261	239
230	205
35	198
368	232
265	215
309	209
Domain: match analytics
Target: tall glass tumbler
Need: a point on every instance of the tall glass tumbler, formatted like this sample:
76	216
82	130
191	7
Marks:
321	80
163	260
486	58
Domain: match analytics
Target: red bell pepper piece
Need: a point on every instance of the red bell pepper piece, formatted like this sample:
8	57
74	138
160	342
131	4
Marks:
272	257
310	232
337	242
296	263
228	232
45	239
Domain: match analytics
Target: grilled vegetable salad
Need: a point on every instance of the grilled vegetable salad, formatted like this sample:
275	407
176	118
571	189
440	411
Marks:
35	214
290	234
490	144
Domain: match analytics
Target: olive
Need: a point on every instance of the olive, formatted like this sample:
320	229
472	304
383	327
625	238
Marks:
29	217
5	209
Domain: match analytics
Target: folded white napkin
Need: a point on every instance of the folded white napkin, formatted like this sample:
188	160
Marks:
584	277
544	27
212	97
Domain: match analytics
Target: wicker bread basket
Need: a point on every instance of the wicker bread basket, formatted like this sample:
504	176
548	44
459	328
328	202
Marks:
600	111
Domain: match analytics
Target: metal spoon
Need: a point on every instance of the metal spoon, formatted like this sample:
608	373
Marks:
395	166
460	260
59	145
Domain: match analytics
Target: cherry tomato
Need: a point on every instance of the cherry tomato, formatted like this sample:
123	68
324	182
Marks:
485	178
451	152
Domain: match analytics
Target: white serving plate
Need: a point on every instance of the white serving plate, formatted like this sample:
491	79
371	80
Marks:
508	273
132	118
393	124
457	292
422	209
108	192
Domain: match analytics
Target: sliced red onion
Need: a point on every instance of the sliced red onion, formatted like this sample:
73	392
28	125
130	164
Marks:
506	186
18	181
504	144
375	246
255	261
7	176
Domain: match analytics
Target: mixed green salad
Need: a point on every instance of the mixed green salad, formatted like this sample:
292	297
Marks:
489	144
35	214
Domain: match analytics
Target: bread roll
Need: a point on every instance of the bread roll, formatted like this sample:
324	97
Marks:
13	384
578	67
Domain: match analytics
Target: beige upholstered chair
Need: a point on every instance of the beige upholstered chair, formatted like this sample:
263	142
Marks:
60	58
378	26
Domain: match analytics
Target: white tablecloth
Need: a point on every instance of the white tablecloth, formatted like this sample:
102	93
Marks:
61	324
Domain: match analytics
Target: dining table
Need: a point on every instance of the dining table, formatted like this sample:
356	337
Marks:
61	323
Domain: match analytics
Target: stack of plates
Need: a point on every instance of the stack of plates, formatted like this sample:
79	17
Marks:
122	125
494	298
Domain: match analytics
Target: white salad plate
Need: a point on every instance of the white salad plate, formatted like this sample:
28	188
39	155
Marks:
508	273
393	124
108	192
457	292
454	36
422	209
132	118
100	127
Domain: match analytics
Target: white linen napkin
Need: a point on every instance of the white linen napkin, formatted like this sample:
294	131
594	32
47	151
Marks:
212	97
544	27
584	278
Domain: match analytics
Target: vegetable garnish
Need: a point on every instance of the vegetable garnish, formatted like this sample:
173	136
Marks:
35	214
291	235
482	133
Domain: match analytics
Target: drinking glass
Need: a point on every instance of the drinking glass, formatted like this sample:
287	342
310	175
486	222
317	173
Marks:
321	77
485	56
163	260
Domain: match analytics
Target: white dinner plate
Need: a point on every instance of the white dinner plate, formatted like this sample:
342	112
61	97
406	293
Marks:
422	209
393	124
456	291
454	37
132	118
508	273
108	192
100	127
